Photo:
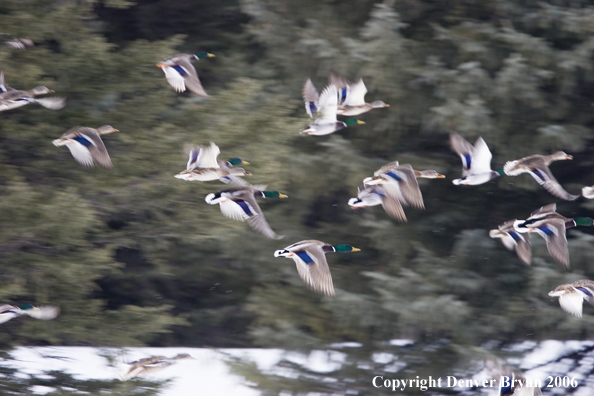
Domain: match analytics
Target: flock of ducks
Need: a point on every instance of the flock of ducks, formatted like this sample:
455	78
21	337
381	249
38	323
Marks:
545	221
392	186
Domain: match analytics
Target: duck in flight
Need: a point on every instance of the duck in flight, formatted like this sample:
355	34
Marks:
86	146
181	74
310	258
538	167
476	161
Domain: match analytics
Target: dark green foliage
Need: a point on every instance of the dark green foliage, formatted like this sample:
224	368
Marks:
135	256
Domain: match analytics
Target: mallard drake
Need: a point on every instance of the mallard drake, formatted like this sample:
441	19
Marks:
86	146
549	224
514	240
204	166
538	167
326	105
46	312
11	98
151	365
476	161
400	183
571	295
351	97
181	74
240	204
311	262
372	195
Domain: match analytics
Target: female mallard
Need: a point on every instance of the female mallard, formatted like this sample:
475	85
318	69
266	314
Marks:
538	167
400	183
372	195
86	146
571	295
476	161
204	166
351	97
181	74
46	312
326	105
11	98
514	240
240	204
311	262
549	224
151	365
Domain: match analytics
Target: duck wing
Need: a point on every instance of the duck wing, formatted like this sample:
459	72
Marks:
481	157
255	217
553	231
586	289
55	103
513	240
409	186
311	98
464	149
393	207
342	85
386	168
194	85
328	105
235	208
356	94
313	267
572	302
550	208
236	181
90	139
545	178
207	156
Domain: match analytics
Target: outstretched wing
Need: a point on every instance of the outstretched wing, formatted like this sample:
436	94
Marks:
356	94
311	98
481	157
313	269
464	150
328	106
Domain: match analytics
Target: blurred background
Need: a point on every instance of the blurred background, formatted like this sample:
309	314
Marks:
135	257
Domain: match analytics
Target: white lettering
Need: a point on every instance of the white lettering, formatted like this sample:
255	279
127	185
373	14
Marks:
376	377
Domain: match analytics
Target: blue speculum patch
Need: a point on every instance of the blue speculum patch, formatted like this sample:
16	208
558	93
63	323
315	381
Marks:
467	157
312	107
245	207
537	173
546	230
585	291
343	94
305	257
515	236
180	70
85	142
394	176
